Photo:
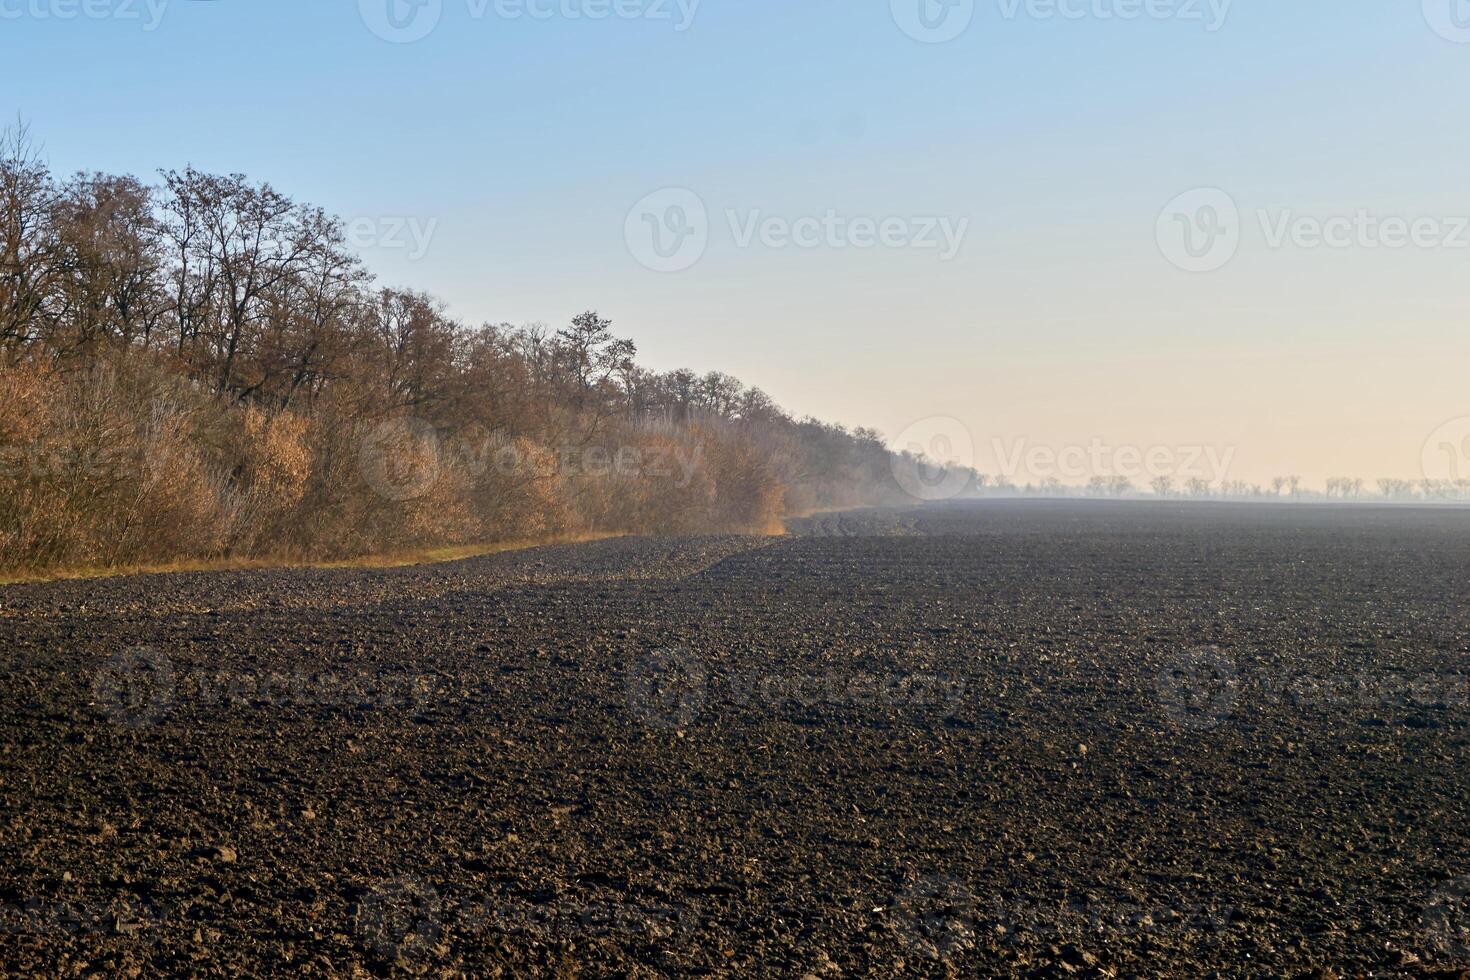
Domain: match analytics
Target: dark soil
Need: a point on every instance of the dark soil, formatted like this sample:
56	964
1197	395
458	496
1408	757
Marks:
1000	739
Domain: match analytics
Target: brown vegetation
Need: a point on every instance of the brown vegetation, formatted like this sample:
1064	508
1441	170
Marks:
202	371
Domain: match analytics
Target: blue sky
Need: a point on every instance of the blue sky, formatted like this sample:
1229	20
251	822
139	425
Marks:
523	143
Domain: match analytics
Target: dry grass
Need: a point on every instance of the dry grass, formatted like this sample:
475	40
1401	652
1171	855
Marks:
422	556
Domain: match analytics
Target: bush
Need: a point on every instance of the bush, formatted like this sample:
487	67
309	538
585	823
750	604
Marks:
104	467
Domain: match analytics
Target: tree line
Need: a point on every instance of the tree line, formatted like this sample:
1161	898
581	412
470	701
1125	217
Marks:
201	367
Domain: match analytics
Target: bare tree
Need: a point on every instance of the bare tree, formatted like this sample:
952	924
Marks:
410	351
30	253
1396	489
242	242
113	281
592	356
307	317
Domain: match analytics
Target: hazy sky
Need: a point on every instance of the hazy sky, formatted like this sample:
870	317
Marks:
985	222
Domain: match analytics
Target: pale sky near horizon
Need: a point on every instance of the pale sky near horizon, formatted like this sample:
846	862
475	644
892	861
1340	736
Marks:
499	161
